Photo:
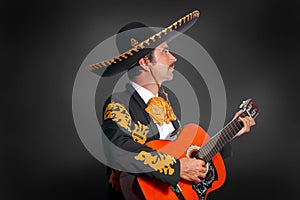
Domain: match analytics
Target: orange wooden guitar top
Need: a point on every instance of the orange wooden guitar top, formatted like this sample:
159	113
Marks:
191	134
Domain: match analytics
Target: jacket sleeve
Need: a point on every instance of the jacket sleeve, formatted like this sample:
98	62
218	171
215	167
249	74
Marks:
126	148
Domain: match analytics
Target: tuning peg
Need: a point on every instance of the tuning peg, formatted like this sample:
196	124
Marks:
244	103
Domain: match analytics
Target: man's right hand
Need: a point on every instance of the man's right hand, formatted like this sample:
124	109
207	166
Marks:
192	169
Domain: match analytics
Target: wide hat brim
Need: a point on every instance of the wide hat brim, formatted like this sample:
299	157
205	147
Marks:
127	59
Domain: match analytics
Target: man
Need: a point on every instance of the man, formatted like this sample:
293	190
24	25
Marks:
143	111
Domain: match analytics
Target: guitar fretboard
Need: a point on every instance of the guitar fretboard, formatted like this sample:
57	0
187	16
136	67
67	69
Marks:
217	142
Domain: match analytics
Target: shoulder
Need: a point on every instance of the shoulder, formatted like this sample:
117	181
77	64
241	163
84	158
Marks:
122	97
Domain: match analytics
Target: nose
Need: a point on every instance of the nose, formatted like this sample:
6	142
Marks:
173	59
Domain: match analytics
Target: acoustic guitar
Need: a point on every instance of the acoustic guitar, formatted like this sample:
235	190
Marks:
194	142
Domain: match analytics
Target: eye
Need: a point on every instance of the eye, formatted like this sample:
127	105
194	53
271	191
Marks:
166	51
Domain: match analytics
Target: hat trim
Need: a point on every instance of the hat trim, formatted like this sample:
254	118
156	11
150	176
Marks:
147	42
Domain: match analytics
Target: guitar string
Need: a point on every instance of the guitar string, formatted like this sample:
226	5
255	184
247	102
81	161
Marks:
209	149
219	140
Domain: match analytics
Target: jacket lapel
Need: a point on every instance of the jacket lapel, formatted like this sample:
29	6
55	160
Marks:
137	110
137	105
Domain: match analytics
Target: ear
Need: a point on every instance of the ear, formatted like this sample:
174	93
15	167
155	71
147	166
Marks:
144	64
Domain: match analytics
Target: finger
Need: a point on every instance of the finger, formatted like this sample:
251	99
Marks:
200	163
238	113
244	120
246	123
252	121
203	170
197	179
202	175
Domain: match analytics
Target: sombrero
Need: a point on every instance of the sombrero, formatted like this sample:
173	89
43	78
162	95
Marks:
135	40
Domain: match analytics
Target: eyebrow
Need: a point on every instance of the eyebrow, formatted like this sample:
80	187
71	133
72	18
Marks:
164	48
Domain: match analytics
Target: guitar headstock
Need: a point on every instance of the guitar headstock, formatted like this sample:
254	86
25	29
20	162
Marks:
250	108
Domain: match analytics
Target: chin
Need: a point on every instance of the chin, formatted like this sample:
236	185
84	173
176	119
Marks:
170	78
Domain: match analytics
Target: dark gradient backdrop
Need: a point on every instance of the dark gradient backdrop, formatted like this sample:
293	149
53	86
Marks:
254	43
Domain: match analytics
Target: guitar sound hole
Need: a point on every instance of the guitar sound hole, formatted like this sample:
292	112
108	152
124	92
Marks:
194	154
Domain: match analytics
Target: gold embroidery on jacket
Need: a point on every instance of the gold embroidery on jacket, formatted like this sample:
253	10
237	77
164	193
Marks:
139	133
160	162
118	113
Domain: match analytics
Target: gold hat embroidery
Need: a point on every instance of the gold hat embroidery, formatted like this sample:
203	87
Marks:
133	42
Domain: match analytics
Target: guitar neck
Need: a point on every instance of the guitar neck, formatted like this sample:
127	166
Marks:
217	142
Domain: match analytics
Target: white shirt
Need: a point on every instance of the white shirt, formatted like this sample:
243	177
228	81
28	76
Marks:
164	130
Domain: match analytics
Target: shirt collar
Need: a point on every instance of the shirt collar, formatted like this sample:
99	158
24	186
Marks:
143	92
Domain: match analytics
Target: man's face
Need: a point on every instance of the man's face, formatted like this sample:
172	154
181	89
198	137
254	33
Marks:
163	63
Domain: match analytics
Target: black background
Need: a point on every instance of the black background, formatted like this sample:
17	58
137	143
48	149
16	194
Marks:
254	43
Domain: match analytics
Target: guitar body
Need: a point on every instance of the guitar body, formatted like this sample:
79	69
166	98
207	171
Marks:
191	136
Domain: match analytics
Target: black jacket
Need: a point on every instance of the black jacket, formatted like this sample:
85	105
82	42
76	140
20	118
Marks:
128	126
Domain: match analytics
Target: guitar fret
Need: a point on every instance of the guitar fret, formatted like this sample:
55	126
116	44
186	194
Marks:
205	151
207	158
209	146
226	135
222	141
223	138
233	130
238	124
201	153
216	143
234	127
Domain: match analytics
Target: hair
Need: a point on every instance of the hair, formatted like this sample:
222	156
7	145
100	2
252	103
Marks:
136	69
